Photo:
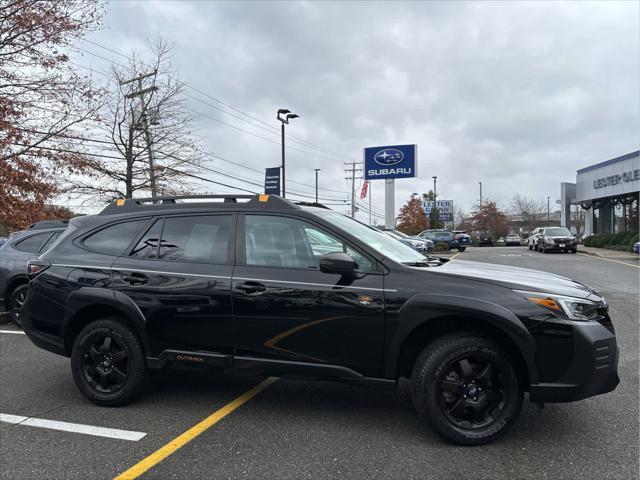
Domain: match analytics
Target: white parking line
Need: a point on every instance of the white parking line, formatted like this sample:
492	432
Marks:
73	427
17	332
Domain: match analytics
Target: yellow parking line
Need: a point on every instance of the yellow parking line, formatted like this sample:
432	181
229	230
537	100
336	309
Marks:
610	260
180	441
451	258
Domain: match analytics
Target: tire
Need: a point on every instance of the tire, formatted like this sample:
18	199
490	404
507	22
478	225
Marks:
461	249
108	372
574	250
530	247
16	302
441	377
542	249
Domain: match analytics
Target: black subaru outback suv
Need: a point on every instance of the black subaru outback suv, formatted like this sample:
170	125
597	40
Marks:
260	285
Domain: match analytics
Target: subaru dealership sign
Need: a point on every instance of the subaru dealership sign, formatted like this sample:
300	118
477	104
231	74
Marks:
445	209
393	161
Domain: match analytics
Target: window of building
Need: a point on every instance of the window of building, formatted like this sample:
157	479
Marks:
202	238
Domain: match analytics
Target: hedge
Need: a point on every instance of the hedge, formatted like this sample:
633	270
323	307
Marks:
615	241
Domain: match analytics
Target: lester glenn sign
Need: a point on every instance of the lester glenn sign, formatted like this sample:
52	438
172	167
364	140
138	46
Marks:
392	161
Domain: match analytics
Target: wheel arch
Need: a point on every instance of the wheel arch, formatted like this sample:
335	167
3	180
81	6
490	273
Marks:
89	304
12	284
426	319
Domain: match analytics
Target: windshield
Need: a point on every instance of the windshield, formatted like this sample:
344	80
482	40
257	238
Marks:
376	239
557	232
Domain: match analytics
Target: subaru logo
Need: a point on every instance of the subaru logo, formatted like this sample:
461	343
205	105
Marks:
388	156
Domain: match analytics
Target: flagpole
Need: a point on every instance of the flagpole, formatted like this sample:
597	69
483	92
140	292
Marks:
369	193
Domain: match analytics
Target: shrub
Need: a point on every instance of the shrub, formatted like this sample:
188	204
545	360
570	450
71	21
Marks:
623	240
441	247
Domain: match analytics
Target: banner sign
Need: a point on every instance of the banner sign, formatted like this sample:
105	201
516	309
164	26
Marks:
393	161
445	208
272	180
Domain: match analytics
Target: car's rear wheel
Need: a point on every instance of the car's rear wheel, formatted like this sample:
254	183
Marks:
16	302
108	363
465	387
461	249
530	247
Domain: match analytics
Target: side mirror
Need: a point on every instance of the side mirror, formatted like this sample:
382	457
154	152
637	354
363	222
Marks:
337	262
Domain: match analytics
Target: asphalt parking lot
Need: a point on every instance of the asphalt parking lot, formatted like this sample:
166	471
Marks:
298	429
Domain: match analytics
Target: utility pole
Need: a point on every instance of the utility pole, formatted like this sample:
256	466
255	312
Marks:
435	196
141	92
480	195
352	176
548	212
317	170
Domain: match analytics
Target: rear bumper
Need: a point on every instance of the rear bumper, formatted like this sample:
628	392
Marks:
593	371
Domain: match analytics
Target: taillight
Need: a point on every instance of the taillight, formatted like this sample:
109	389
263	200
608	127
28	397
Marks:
36	267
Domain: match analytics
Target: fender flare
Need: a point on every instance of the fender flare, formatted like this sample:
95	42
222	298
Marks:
93	296
424	308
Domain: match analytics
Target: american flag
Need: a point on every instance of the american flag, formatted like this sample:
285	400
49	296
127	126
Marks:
364	190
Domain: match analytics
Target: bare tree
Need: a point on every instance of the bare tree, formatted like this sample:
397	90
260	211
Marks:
529	212
41	98
149	129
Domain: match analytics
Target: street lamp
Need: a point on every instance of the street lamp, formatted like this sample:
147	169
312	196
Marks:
434	187
284	116
548	214
316	170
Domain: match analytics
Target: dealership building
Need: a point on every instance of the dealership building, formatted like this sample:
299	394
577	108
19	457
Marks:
608	194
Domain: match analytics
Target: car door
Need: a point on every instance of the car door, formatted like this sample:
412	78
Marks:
286	309
178	274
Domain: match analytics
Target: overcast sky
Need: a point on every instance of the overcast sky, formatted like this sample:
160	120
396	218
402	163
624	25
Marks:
517	95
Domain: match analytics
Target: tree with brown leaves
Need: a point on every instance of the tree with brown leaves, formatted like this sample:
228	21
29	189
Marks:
489	218
412	219
41	98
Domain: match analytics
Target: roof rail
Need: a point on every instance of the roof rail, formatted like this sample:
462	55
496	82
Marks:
48	224
126	205
311	204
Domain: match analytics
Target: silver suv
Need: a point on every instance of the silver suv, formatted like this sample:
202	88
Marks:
557	238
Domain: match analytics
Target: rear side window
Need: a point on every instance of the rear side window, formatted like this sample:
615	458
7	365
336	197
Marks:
196	239
33	243
113	239
52	239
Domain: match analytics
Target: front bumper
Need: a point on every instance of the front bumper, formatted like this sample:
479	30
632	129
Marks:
592	371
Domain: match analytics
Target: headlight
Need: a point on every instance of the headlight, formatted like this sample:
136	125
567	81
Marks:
569	307
548	239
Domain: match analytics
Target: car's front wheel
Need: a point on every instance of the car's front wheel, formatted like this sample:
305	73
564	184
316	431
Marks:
16	302
461	249
108	364
466	388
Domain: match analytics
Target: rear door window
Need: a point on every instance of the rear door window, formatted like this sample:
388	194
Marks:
147	247
114	239
202	238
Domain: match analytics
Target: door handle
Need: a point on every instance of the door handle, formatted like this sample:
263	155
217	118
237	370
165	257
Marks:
135	279
251	288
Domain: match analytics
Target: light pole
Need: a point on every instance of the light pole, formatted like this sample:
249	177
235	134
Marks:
548	213
480	195
284	116
317	170
434	188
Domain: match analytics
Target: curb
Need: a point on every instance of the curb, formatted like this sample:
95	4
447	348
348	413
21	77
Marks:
593	254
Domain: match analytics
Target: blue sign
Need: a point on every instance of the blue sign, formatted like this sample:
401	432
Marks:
272	180
393	161
445	209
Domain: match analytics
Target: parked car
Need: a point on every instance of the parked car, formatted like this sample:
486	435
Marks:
418	244
3	240
238	286
557	238
463	239
500	242
438	236
512	239
636	247
532	240
485	239
21	247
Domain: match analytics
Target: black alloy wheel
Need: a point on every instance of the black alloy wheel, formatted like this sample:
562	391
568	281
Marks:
105	363
466	388
108	363
16	302
471	392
